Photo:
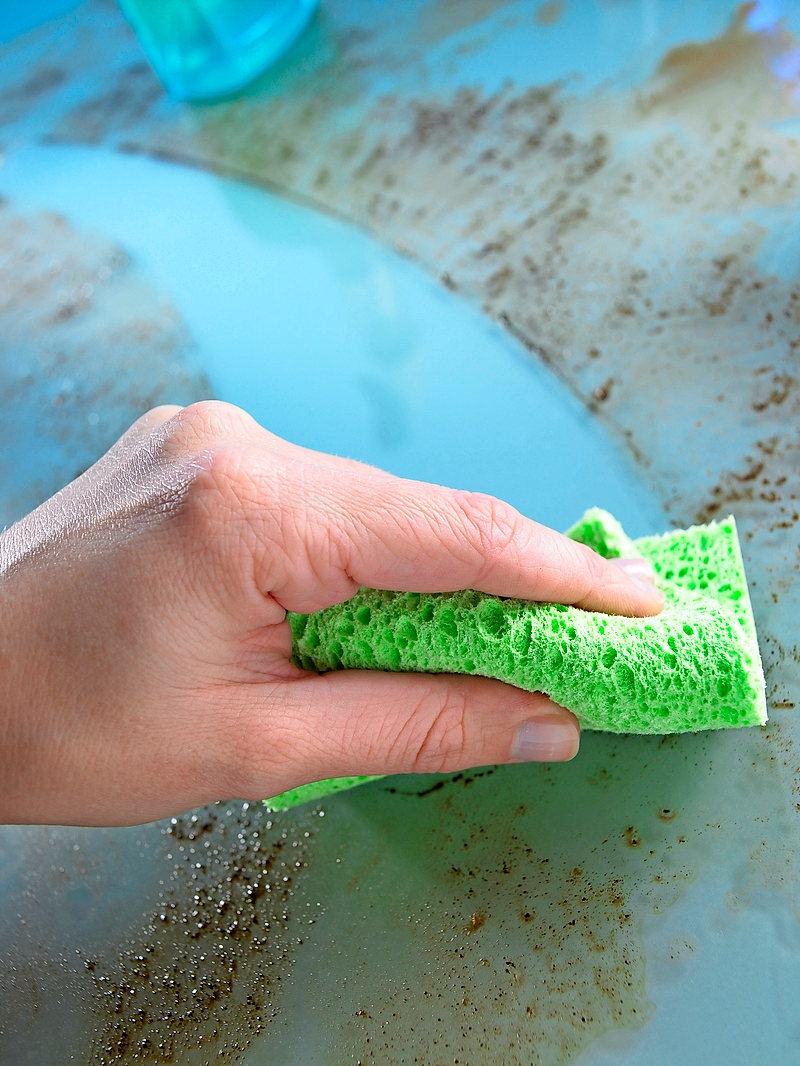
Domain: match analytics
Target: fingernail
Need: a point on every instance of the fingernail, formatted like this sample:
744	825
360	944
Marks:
549	738
648	587
635	568
641	574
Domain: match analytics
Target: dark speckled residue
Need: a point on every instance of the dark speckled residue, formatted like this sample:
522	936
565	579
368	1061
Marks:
629	238
499	916
134	92
624	237
199	981
19	98
588	227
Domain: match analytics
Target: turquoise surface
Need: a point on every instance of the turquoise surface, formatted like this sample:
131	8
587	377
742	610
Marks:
348	251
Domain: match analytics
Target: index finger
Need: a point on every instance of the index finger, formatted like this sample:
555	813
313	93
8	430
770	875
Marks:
469	540
359	528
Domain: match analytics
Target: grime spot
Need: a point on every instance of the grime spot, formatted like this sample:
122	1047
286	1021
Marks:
17	100
689	67
448	17
631	837
765	490
581	173
477	921
125	103
559	958
203	974
549	14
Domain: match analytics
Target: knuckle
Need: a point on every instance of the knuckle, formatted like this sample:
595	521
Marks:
204	423
232	472
438	739
238	509
494	526
595	570
217	501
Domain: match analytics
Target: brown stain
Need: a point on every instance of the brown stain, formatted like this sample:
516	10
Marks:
463	779
86	345
781	387
476	922
445	18
631	837
666	814
124	104
203	973
548	960
408	160
549	14
765	490
19	99
688	67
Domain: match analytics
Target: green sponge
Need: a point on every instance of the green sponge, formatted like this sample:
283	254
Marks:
695	666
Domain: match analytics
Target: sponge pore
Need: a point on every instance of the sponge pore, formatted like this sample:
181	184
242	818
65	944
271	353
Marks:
695	666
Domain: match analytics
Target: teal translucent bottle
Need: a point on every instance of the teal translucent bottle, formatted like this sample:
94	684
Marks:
203	49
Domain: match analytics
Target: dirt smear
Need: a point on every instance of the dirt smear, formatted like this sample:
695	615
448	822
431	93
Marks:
86	346
197	983
498	917
440	21
549	14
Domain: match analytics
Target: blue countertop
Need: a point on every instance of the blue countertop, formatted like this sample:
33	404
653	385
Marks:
547	251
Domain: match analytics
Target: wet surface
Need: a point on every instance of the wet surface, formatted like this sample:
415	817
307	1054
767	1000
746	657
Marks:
637	236
512	905
198	982
191	981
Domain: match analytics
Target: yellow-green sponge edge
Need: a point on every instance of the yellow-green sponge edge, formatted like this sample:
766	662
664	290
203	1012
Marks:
695	666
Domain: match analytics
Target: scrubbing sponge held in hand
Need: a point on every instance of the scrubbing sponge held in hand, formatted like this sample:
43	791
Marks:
695	666
145	645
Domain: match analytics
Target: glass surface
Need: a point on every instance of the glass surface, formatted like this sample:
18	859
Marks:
202	49
624	214
336	343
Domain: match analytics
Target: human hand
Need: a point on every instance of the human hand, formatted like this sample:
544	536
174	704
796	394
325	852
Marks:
144	650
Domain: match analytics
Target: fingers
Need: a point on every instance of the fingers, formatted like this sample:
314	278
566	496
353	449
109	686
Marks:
326	525
390	533
359	722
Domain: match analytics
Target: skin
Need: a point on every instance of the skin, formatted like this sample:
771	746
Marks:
145	653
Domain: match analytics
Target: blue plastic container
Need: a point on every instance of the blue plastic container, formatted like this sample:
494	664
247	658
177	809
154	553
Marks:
203	49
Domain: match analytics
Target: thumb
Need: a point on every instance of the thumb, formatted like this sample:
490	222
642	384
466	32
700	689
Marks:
366	722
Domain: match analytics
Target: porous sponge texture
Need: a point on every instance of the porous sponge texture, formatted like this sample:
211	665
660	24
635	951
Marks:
601	532
695	666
